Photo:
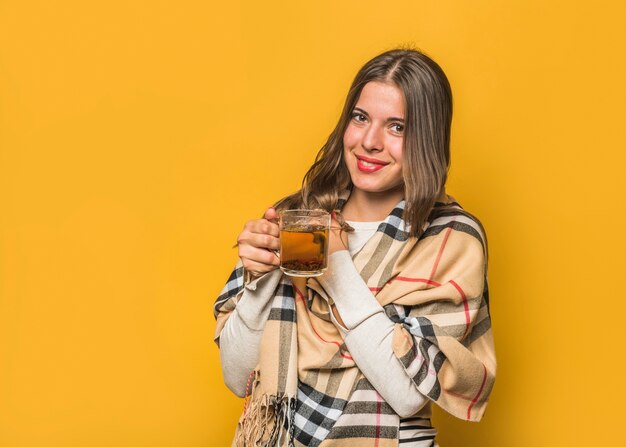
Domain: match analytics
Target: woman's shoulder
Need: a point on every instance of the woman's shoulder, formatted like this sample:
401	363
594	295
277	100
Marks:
449	214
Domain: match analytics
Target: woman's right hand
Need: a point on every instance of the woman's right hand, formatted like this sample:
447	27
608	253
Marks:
257	243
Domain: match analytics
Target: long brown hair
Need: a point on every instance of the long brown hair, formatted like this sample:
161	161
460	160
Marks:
426	144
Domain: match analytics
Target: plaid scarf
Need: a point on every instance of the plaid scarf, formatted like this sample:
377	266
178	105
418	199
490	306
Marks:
308	391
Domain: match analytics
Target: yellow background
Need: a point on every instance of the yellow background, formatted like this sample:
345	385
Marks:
137	137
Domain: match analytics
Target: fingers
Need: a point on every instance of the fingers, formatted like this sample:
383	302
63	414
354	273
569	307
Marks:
257	243
258	261
258	255
258	240
262	226
258	269
271	214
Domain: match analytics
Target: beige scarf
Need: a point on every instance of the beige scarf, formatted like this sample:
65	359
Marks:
307	390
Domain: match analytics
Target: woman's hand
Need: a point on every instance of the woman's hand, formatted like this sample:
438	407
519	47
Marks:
257	243
337	238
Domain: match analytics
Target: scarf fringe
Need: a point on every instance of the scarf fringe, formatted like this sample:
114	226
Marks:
267	421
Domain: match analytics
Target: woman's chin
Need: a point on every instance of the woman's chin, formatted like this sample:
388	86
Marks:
376	187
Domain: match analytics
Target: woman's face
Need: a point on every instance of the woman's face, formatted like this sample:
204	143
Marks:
374	137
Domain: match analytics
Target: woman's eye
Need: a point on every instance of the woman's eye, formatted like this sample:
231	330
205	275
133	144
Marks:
359	117
398	128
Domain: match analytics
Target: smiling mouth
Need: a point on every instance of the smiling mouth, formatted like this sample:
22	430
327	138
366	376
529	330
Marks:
369	165
372	161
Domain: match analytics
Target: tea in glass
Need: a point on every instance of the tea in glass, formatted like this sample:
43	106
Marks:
304	242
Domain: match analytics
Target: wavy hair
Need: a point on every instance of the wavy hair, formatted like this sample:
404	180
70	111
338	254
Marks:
426	144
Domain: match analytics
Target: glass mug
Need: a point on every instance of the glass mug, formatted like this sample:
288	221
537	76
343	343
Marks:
304	242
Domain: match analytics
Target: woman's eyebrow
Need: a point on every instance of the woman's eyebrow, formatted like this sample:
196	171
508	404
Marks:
393	118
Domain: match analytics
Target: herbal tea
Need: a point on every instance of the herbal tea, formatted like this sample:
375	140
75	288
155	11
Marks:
303	249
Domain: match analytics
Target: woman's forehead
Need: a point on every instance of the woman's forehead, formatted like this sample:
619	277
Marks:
382	98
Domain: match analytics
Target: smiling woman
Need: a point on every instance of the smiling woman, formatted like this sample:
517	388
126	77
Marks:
400	319
376	130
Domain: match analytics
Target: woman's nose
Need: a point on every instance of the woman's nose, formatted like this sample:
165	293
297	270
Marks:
373	139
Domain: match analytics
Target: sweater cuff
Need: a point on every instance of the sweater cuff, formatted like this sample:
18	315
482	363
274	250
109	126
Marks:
255	303
343	283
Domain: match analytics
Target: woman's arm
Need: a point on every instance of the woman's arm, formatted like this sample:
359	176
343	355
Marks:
241	335
368	334
243	306
446	345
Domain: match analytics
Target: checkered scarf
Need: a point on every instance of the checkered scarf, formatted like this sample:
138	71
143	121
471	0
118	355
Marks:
307	389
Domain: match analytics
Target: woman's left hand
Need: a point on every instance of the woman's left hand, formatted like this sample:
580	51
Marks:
337	239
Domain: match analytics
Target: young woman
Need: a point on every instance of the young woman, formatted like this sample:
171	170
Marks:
400	319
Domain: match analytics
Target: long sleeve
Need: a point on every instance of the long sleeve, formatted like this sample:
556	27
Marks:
240	337
369	335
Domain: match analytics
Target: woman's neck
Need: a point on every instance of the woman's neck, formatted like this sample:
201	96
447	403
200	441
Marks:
365	206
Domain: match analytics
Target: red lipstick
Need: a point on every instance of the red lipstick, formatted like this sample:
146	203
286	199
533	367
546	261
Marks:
369	165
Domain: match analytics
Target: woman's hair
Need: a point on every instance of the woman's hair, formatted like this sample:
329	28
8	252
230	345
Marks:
426	145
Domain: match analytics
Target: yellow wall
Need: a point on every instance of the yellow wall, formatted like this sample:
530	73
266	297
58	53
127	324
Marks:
137	137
